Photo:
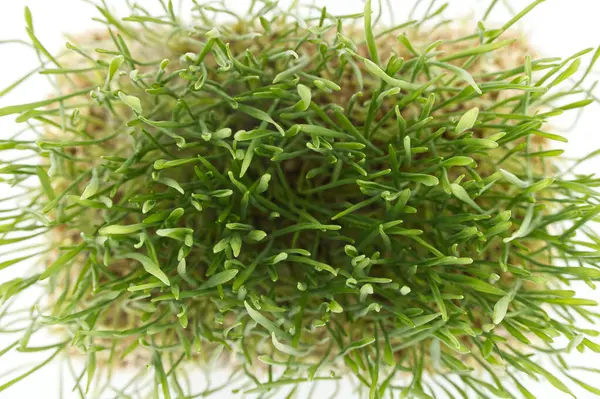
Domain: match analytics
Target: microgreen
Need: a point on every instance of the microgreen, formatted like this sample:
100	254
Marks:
321	193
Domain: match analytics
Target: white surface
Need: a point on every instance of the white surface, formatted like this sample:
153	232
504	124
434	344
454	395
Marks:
556	28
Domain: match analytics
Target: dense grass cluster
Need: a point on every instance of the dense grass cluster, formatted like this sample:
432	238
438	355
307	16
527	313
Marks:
304	198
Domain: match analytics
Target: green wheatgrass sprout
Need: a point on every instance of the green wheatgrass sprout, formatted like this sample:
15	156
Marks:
302	198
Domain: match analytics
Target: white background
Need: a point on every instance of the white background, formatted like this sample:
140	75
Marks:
555	28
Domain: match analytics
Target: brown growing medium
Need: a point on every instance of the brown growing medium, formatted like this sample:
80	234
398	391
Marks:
98	120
